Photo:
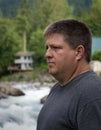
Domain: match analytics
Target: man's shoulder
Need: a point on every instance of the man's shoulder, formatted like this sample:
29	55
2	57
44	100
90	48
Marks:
89	89
91	80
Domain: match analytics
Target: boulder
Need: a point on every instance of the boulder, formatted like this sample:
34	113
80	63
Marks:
8	90
43	99
2	95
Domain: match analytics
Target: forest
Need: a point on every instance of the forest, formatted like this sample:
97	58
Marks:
9	7
25	20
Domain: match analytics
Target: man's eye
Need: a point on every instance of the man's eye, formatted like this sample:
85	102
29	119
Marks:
55	47
46	47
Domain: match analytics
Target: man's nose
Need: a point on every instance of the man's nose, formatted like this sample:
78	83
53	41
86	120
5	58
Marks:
48	53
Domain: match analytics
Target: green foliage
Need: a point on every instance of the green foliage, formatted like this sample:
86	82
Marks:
20	76
37	45
97	55
9	7
41	13
80	6
23	17
8	45
31	19
23	22
60	10
6	5
47	11
93	17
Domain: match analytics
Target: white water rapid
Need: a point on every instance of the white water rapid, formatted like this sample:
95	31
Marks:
20	113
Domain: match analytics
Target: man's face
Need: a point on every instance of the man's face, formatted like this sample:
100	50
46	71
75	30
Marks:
61	58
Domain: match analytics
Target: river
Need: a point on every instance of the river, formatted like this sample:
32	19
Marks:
96	44
20	113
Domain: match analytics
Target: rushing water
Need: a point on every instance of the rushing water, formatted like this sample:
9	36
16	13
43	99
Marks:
20	113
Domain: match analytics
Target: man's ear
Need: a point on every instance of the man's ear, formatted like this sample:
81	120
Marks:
80	52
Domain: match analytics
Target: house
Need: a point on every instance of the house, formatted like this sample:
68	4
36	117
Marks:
23	62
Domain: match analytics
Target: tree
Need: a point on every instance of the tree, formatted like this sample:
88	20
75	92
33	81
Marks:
8	44
80	6
97	55
36	44
93	17
60	10
46	11
24	21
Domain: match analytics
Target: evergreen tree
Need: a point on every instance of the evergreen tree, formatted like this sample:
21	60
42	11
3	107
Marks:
36	44
93	17
60	10
46	11
8	44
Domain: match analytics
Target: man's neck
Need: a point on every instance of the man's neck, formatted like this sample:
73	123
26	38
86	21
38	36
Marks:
66	79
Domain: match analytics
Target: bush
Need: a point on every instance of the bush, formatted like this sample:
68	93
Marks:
97	55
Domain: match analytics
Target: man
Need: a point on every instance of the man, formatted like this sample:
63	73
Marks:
74	103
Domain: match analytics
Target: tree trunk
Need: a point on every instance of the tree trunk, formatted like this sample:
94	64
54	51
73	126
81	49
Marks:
25	42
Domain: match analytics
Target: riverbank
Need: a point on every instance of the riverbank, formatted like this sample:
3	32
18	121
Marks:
37	80
21	112
32	76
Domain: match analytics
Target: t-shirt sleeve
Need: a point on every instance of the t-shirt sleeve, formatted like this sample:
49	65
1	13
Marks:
89	117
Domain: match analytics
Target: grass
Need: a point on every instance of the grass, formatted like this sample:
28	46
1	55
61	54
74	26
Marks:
25	76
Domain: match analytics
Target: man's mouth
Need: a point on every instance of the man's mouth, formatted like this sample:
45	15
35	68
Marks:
50	63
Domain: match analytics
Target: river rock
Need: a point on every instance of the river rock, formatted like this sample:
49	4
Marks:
43	99
8	90
2	95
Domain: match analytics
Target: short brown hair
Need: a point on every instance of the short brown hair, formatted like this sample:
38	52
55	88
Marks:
75	33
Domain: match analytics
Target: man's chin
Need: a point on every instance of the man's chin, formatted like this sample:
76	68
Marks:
53	73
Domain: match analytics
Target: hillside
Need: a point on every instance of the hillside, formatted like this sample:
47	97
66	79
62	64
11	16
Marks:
80	4
8	7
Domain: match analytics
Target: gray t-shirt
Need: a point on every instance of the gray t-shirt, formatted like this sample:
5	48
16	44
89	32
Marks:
74	106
